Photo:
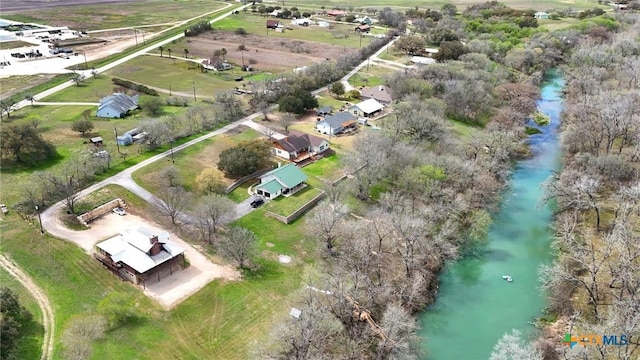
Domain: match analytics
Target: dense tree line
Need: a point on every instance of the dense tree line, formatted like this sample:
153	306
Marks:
133	86
594	284
13	316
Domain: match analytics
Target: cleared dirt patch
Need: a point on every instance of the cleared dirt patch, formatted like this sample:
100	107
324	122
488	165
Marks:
268	53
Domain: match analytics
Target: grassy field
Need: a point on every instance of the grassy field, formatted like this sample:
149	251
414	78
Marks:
191	161
370	76
107	16
22	85
285	206
340	34
13	44
461	4
91	90
180	75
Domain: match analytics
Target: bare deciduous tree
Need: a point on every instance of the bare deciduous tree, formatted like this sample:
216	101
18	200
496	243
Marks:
211	212
172	201
240	245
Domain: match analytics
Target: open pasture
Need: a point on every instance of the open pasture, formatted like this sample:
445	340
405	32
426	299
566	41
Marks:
124	14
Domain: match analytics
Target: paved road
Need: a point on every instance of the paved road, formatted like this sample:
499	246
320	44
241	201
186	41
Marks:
44	103
374	57
41	299
113	64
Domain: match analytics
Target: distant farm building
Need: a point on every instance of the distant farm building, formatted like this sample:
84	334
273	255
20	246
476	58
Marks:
336	13
117	105
273	24
363	28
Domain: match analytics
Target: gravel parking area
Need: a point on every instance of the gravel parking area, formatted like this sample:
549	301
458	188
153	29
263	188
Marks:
170	290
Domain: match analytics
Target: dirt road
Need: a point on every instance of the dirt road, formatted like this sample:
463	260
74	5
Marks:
43	302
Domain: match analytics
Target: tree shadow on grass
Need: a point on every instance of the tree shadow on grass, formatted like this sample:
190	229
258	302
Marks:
13	167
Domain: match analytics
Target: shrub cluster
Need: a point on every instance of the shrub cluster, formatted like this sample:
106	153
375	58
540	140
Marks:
133	86
197	29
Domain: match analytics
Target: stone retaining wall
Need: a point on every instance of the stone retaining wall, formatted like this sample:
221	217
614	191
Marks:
89	216
296	214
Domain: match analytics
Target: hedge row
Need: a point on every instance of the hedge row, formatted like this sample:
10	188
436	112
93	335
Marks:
133	86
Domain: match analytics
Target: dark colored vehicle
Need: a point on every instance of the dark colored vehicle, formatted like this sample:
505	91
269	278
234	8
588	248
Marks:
257	202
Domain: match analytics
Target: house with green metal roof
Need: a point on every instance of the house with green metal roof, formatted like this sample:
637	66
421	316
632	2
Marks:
284	180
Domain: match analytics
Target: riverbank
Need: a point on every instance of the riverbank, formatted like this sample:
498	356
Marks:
475	303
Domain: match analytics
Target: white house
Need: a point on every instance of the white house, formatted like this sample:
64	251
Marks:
298	146
141	254
285	180
367	108
336	123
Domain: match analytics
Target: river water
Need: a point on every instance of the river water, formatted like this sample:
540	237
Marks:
475	306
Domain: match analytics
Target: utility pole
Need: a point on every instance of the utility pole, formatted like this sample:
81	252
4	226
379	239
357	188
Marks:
171	145
194	91
115	132
169	90
135	32
40	220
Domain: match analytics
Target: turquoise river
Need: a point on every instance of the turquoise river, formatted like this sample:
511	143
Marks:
475	305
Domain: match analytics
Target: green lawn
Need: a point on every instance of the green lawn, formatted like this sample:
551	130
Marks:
21	85
91	90
326	169
13	44
370	76
179	75
463	129
255	24
285	206
191	161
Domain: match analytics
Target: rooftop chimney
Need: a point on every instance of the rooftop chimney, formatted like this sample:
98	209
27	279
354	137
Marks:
157	246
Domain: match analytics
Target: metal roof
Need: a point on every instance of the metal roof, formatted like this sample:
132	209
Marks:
289	175
336	120
131	247
272	187
369	106
119	102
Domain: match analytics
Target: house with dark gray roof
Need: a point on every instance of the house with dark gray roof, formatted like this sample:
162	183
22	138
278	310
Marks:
336	123
298	146
117	105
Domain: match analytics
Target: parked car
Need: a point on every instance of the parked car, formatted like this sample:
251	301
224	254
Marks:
119	211
257	202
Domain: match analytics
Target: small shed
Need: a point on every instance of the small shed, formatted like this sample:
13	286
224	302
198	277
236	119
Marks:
324	24
325	110
363	28
272	24
96	141
125	139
